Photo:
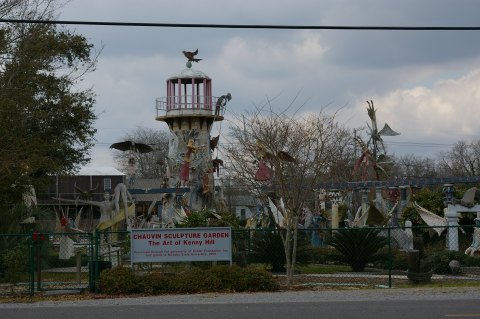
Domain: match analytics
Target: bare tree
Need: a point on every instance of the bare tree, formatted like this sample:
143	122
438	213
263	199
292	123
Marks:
283	159
412	166
462	160
148	165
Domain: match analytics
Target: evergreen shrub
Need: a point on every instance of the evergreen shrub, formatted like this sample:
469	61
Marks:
222	278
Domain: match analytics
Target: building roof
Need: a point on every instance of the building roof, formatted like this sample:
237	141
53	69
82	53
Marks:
189	73
99	171
244	200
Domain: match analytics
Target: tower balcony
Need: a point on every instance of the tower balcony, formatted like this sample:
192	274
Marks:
189	106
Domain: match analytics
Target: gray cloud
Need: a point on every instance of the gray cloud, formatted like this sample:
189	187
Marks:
410	75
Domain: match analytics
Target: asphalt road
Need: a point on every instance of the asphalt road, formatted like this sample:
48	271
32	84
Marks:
387	303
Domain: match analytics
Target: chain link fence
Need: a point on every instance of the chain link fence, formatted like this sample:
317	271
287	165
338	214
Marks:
45	261
368	257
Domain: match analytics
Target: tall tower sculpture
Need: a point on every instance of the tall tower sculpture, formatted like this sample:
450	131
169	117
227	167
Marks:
190	111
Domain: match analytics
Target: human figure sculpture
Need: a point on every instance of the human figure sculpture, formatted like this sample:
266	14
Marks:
221	102
106	207
475	246
185	168
121	191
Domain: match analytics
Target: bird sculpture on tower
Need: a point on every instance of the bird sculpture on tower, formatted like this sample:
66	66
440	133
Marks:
191	56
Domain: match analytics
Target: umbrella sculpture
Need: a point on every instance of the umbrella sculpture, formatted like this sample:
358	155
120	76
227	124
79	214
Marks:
131	147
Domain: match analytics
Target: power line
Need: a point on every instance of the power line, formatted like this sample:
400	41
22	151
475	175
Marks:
244	26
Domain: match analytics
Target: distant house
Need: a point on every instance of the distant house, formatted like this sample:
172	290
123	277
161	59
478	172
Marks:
89	181
244	205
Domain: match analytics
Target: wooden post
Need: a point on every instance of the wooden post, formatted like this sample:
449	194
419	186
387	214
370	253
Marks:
78	255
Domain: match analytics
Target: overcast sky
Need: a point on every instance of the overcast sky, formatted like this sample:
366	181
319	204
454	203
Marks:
425	84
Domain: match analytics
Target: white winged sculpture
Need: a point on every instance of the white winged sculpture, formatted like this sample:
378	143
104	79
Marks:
277	213
438	223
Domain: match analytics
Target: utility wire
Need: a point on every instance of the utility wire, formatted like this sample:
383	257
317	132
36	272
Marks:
244	26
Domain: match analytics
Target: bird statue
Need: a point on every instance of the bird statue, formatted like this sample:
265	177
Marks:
191	56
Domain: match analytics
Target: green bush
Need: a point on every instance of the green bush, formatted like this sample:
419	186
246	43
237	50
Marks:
120	280
358	246
267	248
14	262
235	278
224	278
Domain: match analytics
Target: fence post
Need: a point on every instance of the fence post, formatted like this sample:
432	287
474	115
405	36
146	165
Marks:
96	241
91	252
249	249
390	261
31	266
38	263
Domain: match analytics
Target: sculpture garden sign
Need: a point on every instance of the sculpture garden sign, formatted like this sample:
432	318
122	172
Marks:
181	244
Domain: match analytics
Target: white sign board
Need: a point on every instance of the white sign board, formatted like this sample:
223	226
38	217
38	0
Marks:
181	244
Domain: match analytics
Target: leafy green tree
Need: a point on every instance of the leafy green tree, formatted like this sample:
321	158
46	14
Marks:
358	246
47	120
